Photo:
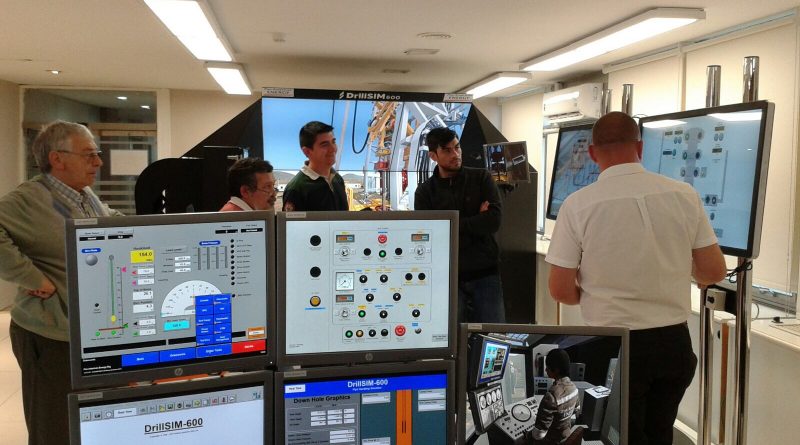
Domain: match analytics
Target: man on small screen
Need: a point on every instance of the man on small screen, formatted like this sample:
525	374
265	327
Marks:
626	248
32	256
316	186
251	185
474	194
559	404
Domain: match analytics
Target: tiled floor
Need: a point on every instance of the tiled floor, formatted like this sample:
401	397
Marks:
12	422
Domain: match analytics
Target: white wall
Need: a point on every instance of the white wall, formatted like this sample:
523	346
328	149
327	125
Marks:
194	115
490	107
10	129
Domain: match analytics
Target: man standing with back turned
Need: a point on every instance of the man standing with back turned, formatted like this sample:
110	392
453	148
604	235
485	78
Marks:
32	256
626	248
474	194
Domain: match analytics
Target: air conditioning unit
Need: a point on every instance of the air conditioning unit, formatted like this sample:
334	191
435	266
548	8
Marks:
583	102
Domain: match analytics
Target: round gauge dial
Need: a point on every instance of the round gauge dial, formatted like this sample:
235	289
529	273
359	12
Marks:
521	413
180	300
344	280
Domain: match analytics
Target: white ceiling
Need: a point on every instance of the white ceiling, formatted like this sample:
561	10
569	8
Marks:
328	44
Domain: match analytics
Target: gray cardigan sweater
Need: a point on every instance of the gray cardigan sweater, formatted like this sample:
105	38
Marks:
32	245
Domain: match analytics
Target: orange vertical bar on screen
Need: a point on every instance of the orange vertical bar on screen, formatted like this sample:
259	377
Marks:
404	417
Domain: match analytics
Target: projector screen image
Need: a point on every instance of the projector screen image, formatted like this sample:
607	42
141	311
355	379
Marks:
152	295
381	155
374	409
227	415
719	152
573	168
508	162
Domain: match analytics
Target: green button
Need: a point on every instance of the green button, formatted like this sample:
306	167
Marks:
348	334
362	313
382	254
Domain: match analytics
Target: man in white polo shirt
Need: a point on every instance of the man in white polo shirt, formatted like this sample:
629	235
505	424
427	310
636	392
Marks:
626	248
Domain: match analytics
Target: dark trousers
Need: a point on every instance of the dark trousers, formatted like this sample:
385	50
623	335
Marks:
481	300
662	366
45	385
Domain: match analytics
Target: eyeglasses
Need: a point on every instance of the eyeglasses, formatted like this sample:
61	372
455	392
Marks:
274	189
88	157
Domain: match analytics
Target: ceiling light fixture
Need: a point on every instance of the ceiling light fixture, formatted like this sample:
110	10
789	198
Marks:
231	77
495	83
146	107
421	51
435	35
643	26
122	97
56	72
193	24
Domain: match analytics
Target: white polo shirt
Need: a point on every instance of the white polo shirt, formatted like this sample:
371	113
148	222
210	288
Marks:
631	235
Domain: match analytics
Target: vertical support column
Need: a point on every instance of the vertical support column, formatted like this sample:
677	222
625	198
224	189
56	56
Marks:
707	310
627	98
606	106
743	299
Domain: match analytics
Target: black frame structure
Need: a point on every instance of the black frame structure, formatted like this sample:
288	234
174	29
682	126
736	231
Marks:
467	329
761	167
368	370
365	356
196	366
566	129
77	400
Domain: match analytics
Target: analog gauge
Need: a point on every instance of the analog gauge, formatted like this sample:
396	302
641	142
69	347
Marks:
180	300
521	413
483	402
344	280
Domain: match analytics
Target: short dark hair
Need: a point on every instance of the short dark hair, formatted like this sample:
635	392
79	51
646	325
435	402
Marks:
243	172
309	132
438	137
558	361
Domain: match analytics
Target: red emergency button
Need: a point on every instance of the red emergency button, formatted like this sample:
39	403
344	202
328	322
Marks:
382	238
400	330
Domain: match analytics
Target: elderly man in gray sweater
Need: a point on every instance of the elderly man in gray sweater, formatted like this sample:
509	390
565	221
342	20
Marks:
32	257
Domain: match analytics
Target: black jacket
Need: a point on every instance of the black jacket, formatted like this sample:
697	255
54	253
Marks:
305	194
477	250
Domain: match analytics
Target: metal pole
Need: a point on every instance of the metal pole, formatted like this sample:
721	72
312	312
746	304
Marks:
750	79
707	299
606	102
627	98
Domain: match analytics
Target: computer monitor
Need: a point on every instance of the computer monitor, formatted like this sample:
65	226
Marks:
487	360
723	152
409	403
357	287
507	162
160	296
573	169
606	410
235	409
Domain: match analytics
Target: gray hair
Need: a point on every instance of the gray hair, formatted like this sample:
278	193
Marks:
56	136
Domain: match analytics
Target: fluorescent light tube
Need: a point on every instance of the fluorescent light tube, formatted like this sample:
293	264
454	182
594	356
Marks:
496	82
189	23
230	77
643	26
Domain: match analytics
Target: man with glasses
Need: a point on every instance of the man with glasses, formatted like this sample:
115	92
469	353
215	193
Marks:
251	185
32	256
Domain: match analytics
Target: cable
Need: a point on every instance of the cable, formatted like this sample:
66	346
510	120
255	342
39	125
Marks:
333	110
353	132
731	276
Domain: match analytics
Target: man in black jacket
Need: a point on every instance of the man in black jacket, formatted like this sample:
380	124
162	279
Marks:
474	194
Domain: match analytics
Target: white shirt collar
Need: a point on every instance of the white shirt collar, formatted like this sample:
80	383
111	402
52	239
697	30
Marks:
621	170
306	170
240	203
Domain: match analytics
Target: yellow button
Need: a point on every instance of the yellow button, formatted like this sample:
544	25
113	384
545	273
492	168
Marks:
315	301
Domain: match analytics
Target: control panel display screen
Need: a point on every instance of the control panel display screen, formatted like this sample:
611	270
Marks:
507	162
573	168
162	295
365	285
233	415
719	154
378	410
495	356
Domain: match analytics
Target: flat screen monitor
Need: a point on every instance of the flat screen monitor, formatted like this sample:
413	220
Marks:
357	287
573	169
723	152
160	296
410	403
488	358
604	410
380	136
508	162
235	409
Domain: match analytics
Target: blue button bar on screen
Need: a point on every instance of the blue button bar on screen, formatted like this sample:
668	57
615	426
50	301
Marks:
92	250
177	354
204	310
222	338
213	351
209	243
206	330
204	319
176	325
222	298
370	385
222	308
143	358
223	328
205	339
203	299
222	318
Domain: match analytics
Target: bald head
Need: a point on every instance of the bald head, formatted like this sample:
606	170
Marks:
615	128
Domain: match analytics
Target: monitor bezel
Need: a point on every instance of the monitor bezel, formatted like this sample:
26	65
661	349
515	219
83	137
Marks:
527	161
570	128
114	395
375	355
475	376
231	363
467	329
758	198
345	372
